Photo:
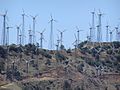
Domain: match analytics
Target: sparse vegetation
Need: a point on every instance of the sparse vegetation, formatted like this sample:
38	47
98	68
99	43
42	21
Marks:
42	63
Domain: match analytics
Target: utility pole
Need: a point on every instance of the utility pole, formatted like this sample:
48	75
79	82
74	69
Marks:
34	21
107	36
51	33
7	35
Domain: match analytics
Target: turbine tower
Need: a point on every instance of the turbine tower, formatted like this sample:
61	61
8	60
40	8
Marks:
98	34
58	42
30	36
93	27
51	33
107	36
23	28
117	36
4	29
20	38
90	37
61	37
18	32
75	45
111	35
78	35
34	21
41	38
100	26
7	35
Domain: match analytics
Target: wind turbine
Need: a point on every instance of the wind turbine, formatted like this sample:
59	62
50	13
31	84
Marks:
111	32
7	35
41	38
20	39
93	26
78	35
18	32
116	28
98	35
4	29
23	27
107	29
100	26
58	42
90	34
30	35
27	65
51	33
34	26
75	45
61	37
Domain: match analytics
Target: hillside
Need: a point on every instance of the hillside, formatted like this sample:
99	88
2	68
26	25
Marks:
90	66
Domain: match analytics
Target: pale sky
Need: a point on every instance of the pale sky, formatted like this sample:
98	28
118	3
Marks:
68	13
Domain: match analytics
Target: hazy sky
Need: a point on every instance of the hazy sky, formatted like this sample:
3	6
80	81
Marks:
68	13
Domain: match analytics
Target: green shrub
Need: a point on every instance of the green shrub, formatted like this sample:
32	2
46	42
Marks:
60	57
80	68
3	52
67	85
45	54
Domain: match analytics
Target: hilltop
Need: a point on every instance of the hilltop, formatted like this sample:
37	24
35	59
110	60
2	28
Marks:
90	66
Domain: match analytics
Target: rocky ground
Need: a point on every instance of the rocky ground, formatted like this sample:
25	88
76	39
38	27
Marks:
88	67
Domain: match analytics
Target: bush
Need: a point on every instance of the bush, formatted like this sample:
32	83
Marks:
82	44
30	48
80	68
2	66
116	44
3	52
60	56
45	53
109	51
15	49
69	50
118	57
67	85
48	62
